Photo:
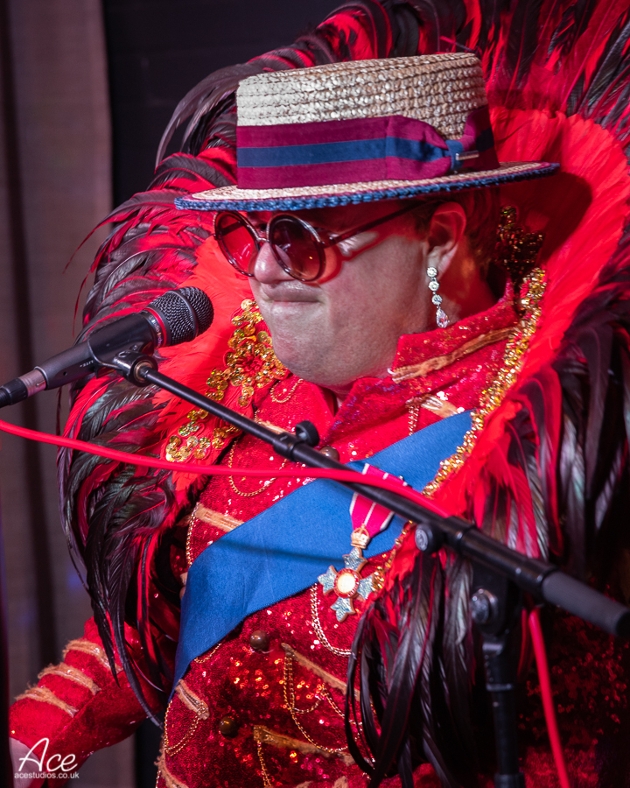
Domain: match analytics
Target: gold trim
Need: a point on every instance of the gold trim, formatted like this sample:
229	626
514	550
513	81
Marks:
222	521
493	396
72	674
191	700
45	695
263	735
439	362
249	493
210	516
321	693
331	680
163	771
207	657
86	646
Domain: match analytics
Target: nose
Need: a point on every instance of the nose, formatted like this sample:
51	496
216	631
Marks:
266	268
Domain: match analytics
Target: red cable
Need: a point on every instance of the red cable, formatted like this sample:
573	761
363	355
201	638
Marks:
318	473
221	470
546	692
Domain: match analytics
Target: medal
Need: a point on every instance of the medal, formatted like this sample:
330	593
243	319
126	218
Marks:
368	519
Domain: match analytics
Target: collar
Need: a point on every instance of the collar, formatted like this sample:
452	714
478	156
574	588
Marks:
466	355
418	355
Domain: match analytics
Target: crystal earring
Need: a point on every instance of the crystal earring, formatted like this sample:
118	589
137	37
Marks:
440	315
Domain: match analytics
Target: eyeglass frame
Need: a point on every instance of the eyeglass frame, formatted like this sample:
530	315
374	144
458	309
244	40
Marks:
261	238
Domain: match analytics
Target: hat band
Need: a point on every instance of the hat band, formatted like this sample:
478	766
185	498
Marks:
354	151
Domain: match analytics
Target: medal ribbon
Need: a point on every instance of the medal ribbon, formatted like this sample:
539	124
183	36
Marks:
368	516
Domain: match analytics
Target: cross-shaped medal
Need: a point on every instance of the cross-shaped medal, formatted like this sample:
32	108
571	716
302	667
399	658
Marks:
347	583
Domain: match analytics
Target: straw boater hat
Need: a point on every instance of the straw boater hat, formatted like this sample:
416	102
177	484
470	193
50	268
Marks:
362	131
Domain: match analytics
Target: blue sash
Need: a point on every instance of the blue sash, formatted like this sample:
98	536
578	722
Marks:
283	550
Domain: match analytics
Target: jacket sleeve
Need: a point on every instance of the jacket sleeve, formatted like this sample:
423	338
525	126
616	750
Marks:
77	706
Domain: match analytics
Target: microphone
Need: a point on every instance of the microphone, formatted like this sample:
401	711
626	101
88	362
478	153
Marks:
174	317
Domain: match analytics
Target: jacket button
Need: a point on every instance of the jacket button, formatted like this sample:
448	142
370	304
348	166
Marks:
259	640
228	726
330	452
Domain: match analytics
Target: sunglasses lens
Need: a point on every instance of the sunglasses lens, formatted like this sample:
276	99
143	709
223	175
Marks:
296	248
236	241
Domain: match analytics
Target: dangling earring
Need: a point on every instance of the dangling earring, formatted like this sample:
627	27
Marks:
440	315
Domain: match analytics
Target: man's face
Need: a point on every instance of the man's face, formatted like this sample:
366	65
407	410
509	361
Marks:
348	324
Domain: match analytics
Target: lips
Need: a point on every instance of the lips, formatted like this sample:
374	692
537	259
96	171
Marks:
288	292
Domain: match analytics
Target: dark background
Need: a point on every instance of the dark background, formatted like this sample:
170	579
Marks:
157	51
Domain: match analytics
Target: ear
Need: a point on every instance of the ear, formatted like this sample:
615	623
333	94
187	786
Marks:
446	233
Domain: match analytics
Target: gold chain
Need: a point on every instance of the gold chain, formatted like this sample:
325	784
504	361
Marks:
175	748
288	395
263	766
265	486
317	626
288	690
326	693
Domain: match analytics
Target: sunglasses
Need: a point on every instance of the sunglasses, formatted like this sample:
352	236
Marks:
296	245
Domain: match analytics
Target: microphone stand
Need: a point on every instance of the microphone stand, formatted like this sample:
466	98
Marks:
500	575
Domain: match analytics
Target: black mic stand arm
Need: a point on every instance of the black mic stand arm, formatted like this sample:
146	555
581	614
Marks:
500	575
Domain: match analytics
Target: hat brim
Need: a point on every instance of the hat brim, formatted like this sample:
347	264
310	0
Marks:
298	198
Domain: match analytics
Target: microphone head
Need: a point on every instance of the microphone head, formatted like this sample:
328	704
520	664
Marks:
183	314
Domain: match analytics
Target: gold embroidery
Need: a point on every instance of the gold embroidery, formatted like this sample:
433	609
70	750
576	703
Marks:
250	364
87	647
439	362
493	396
170	780
173	749
45	695
207	657
433	403
261	757
179	450
73	674
440	406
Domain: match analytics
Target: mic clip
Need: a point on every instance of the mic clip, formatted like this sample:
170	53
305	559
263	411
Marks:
133	366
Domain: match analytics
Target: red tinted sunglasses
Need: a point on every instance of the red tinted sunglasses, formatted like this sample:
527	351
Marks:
297	246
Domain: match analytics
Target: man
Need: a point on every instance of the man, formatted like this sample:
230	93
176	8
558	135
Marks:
386	318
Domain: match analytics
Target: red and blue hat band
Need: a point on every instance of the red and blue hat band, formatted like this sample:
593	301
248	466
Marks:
352	151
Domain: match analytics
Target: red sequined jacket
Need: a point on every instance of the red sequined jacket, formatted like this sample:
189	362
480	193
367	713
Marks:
265	706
